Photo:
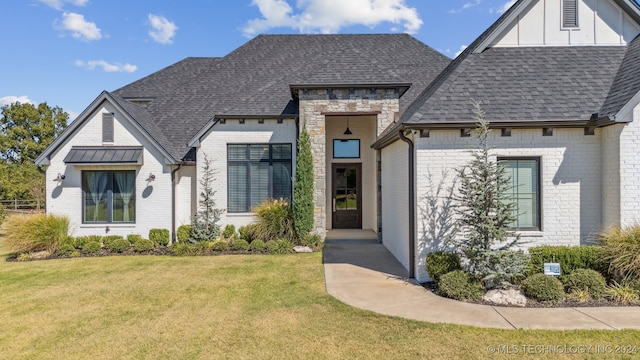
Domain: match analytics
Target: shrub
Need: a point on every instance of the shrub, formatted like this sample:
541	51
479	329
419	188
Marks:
220	245
542	287
65	249
276	220
623	293
579	295
143	245
134	238
257	246
239	245
205	221
439	263
271	246
229	232
41	232
108	240
460	285
622	251
119	245
69	240
82	240
587	280
303	205
312	240
186	249
23	257
247	232
159	236
504	268
283	246
183	233
633	283
91	247
569	257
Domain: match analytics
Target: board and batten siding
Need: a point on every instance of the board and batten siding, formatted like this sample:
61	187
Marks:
153	199
395	200
214	145
600	22
571	181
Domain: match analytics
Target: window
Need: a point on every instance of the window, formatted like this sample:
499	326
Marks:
346	149
108	196
257	172
525	190
569	13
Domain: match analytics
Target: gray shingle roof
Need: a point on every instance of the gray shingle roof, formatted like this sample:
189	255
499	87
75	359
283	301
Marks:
525	84
254	79
626	83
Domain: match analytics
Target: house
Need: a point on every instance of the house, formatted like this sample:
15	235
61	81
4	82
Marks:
389	120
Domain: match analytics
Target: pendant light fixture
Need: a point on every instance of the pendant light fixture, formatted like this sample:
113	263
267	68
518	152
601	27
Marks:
348	132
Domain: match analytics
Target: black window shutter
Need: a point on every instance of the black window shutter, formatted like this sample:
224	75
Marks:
570	13
107	127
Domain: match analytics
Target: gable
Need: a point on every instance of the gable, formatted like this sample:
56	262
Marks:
554	23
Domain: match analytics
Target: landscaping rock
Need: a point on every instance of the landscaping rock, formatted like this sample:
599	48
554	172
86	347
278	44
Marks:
302	249
509	297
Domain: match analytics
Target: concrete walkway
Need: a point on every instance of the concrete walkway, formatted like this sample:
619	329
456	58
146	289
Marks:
365	275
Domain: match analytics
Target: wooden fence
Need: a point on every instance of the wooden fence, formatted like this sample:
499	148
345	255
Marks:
22	205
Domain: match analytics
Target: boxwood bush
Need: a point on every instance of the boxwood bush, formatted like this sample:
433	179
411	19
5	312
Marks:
159	236
586	280
220	245
239	245
257	246
91	247
460	285
229	232
569	257
439	263
143	245
542	287
134	238
183	233
118	245
65	249
108	240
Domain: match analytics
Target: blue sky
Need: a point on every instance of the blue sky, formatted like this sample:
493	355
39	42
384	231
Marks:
65	52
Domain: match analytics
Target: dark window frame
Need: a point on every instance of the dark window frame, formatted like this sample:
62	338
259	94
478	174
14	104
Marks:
248	161
109	194
538	202
346	157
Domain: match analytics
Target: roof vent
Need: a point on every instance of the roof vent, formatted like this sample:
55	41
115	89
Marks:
569	13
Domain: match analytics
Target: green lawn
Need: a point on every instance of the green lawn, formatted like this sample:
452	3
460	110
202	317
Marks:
237	307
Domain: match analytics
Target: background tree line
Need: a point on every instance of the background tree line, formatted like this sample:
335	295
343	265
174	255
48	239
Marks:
25	131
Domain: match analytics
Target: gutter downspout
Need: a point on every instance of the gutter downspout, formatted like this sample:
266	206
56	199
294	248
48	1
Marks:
412	207
173	204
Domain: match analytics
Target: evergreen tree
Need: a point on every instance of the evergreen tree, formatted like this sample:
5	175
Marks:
303	187
485	213
205	222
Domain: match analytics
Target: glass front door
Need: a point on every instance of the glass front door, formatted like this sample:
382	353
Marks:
347	196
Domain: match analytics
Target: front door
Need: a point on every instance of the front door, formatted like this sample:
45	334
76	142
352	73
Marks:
347	196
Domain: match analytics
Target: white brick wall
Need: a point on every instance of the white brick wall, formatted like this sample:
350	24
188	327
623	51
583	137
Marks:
630	171
395	200
571	179
214	145
153	200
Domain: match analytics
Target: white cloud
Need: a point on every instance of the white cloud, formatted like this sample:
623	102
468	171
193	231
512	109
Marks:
329	16
58	4
8	100
162	30
504	7
79	27
467	5
462	48
106	67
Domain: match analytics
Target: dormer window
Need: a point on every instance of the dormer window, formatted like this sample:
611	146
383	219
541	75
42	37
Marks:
569	14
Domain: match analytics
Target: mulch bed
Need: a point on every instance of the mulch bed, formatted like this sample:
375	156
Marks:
433	287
